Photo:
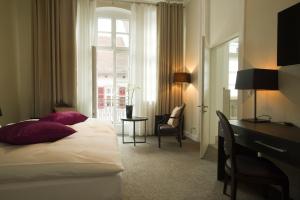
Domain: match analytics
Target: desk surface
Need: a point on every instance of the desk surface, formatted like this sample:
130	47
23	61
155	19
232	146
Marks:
271	129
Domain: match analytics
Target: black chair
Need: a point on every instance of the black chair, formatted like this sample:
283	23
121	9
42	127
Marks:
163	128
247	168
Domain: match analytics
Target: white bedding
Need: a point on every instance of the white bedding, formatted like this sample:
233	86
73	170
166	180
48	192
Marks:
90	152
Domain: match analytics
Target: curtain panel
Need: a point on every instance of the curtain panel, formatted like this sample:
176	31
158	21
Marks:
170	55
143	63
86	20
54	54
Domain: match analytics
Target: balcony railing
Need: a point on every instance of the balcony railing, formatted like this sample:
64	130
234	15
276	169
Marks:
111	109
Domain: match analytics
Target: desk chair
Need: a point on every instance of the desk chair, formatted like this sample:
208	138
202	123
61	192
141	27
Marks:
248	168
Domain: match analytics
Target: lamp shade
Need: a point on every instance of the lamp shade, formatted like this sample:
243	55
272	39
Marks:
182	77
258	79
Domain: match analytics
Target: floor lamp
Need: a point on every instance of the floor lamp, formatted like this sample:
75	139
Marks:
257	79
181	77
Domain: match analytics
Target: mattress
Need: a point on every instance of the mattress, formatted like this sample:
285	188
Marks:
104	188
90	152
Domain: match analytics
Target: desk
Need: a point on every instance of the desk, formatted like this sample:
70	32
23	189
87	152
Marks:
271	139
134	119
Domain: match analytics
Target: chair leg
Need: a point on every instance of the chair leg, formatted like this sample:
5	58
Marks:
158	134
225	183
233	188
265	192
179	139
285	191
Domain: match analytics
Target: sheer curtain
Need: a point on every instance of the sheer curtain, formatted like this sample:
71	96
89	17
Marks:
85	39
143	59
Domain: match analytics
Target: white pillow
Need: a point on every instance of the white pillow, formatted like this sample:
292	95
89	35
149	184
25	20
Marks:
175	113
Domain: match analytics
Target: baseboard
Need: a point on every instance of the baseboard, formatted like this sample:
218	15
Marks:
191	136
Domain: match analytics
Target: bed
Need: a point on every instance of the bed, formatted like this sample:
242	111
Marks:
85	165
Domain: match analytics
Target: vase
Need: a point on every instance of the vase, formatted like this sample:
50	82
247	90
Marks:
129	111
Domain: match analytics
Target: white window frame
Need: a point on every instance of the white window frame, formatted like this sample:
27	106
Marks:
114	14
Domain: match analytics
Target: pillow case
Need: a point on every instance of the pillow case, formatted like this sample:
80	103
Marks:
66	118
32	132
175	113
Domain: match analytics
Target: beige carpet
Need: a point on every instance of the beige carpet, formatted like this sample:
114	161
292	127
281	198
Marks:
174	173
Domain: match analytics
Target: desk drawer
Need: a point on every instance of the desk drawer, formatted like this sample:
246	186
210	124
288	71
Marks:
280	149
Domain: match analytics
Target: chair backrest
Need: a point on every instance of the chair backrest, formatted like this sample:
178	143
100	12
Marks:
182	110
229	140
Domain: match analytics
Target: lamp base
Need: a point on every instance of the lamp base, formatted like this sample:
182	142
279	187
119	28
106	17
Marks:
257	120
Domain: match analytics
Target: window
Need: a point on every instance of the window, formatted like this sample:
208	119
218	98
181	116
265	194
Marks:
112	57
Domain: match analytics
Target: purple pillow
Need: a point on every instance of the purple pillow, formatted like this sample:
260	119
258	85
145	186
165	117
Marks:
32	132
66	118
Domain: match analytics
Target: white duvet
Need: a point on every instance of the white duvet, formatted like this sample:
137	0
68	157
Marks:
90	152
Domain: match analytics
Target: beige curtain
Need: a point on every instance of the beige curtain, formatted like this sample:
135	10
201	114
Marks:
170	55
54	54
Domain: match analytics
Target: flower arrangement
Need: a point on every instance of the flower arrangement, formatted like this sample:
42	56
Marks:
130	92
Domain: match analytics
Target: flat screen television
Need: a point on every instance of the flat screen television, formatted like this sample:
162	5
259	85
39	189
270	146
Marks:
288	39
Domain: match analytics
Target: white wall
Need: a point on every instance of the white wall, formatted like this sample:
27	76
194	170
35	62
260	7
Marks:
261	51
15	60
225	20
8	70
192	64
218	80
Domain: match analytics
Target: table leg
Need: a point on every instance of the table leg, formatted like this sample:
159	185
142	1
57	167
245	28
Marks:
123	131
145	131
134	132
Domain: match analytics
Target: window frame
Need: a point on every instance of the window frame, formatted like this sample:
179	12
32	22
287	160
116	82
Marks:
114	14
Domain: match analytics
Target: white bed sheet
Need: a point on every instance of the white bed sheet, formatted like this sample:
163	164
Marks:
90	152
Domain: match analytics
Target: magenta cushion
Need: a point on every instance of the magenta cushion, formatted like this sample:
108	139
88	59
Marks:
32	132
66	118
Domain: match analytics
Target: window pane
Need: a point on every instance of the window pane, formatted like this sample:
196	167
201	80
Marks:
105	84
122	40
122	26
105	63
104	24
104	39
122	62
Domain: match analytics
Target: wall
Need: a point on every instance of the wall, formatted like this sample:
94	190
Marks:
218	67
192	64
8	66
260	51
225	20
15	61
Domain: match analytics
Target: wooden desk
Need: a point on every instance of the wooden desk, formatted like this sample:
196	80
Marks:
271	139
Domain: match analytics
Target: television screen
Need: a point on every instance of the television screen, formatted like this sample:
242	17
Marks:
288	41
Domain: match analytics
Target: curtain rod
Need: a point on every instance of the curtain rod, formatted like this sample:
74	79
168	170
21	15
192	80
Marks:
138	2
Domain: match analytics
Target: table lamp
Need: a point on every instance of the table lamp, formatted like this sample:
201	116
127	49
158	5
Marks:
257	79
